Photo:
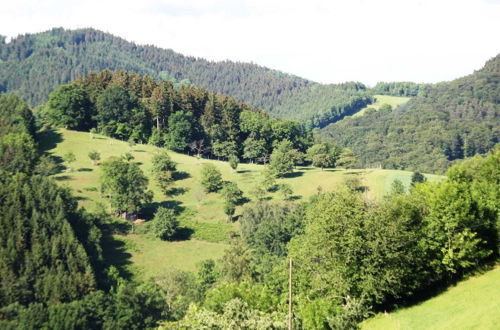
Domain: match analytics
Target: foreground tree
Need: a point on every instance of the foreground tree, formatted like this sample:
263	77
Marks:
163	169
94	156
323	155
233	162
232	197
125	185
282	158
180	131
211	178
42	226
165	224
68	106
417	177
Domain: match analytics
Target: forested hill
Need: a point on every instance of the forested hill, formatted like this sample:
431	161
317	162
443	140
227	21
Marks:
445	122
32	65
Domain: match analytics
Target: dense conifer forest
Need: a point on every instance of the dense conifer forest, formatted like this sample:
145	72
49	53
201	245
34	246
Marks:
443	123
33	65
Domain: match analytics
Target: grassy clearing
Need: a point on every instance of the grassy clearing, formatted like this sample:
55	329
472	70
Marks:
201	214
472	304
84	177
150	257
393	101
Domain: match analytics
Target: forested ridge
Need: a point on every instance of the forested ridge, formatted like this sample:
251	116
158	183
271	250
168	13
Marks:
32	65
443	123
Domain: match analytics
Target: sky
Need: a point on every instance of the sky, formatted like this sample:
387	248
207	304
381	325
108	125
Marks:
326	41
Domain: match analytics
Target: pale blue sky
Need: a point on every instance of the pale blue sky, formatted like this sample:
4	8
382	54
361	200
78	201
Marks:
326	41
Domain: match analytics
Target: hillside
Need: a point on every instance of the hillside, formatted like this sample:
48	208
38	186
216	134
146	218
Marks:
471	304
201	213
445	122
32	65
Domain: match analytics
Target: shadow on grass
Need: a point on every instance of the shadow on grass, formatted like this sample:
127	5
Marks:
294	198
48	140
362	189
183	234
181	175
176	191
63	178
243	200
115	254
150	209
294	174
331	170
85	169
81	198
242	171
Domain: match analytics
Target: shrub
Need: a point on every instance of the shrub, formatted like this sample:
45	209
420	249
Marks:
165	224
211	178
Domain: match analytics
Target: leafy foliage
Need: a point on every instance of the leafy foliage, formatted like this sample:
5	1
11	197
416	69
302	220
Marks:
211	178
18	149
125	185
165	223
163	169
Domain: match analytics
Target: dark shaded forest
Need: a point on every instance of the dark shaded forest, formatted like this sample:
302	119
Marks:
443	123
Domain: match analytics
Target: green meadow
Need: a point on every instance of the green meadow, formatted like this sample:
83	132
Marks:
471	304
200	214
393	101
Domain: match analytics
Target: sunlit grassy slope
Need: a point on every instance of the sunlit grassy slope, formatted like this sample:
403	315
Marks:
393	101
202	213
472	304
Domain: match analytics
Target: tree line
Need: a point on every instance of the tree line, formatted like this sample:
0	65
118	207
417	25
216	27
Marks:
136	108
33	65
400	88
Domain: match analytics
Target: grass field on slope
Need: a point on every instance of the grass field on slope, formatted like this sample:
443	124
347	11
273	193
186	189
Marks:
471	304
393	101
201	213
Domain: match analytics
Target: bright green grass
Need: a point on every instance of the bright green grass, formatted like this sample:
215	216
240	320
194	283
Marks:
151	257
203	207
203	213
393	101
472	304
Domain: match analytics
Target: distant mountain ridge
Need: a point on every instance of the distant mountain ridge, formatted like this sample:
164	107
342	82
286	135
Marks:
32	65
443	123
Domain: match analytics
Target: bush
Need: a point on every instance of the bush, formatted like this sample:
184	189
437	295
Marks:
211	178
165	224
233	162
